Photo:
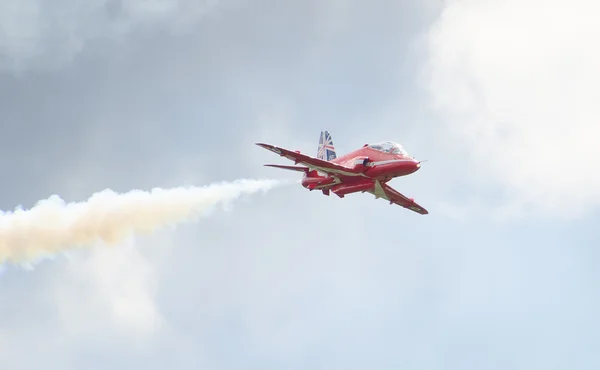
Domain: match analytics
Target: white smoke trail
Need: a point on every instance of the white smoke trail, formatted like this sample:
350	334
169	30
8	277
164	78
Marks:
53	226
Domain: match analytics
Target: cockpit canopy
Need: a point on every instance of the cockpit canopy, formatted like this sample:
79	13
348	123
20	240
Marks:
388	147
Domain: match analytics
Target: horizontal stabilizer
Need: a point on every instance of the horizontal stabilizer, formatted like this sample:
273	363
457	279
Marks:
291	168
327	167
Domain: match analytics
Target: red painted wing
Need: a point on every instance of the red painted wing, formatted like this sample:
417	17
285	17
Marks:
390	194
311	162
290	168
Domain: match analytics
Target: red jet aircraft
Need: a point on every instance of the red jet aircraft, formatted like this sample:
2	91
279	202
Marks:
366	169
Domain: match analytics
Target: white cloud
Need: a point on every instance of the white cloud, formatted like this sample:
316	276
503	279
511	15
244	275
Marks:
36	33
110	289
102	298
516	83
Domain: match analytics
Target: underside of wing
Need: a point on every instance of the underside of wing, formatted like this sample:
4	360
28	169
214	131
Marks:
390	194
290	168
311	162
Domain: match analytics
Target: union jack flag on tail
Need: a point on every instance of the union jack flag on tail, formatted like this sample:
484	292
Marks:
326	148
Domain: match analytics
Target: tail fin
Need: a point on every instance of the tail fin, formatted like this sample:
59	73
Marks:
326	148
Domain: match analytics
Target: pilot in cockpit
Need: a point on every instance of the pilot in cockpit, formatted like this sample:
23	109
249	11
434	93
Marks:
388	147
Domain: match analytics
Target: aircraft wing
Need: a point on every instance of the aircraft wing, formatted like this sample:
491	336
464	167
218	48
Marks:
312	162
290	168
388	193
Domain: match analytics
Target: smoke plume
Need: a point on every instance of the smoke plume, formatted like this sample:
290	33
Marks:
53	226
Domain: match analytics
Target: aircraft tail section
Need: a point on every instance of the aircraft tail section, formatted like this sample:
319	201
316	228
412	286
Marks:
326	148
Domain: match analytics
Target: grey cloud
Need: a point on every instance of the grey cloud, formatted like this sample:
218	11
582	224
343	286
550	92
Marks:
158	109
38	34
292	279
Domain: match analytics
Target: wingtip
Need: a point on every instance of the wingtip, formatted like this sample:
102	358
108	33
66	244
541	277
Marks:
267	146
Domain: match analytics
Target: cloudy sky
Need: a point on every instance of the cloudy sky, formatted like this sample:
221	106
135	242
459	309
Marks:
499	95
